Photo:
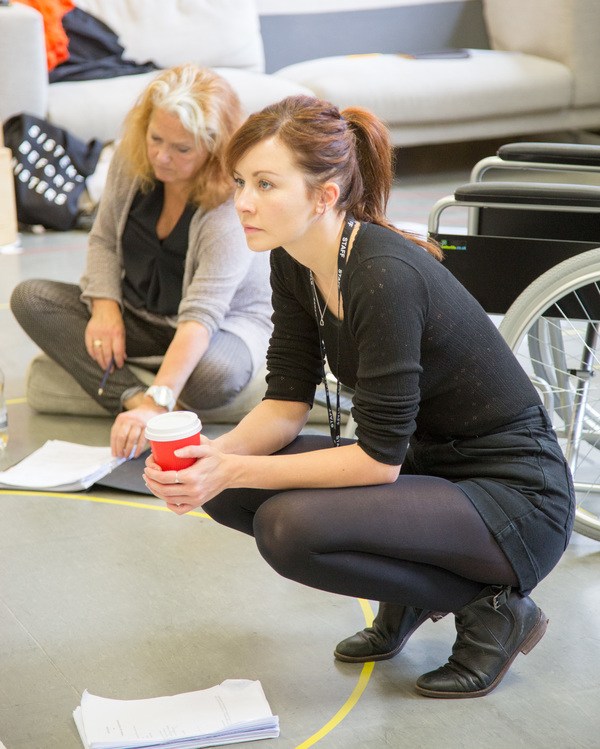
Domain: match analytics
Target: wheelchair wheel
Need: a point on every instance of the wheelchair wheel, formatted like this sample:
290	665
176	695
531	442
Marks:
553	328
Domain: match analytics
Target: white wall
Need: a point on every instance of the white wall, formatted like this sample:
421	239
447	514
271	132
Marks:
279	7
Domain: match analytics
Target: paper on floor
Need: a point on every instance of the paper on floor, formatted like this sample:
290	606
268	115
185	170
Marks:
236	710
60	466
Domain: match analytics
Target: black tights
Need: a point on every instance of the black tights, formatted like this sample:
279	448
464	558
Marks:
418	542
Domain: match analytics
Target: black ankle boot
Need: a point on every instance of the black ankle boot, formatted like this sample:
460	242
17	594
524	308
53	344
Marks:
492	630
390	631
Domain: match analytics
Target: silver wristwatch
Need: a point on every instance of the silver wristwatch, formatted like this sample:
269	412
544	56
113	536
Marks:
162	396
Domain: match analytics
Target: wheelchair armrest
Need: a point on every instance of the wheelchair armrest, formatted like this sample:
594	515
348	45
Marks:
551	153
562	196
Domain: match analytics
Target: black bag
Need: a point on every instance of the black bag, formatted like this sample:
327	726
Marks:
50	166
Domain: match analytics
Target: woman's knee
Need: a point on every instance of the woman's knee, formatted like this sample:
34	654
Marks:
26	303
23	298
35	297
284	534
222	373
234	508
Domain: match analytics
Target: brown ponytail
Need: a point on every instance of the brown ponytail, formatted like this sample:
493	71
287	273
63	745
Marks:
376	164
352	148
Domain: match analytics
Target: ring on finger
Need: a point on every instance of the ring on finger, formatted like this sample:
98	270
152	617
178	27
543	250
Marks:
97	343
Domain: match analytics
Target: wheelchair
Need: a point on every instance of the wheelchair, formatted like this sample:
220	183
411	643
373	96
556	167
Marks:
531	254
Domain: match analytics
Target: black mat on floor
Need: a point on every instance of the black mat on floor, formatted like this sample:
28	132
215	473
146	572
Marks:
128	476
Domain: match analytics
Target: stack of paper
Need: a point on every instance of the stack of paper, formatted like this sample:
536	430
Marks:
235	710
61	467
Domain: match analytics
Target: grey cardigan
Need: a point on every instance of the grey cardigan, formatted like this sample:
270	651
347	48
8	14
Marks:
225	285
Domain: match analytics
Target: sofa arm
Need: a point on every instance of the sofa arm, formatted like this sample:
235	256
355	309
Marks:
24	79
562	30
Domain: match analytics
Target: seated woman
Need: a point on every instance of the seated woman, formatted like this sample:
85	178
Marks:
455	496
168	269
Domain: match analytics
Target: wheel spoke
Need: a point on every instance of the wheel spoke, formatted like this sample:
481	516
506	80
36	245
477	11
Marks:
553	330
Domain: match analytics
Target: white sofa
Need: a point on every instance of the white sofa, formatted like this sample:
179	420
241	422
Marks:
223	35
541	75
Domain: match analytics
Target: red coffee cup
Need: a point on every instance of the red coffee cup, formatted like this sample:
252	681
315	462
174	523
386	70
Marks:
168	432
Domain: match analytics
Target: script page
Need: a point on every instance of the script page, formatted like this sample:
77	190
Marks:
59	463
236	703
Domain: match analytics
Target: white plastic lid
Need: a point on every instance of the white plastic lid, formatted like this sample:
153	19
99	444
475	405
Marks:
176	425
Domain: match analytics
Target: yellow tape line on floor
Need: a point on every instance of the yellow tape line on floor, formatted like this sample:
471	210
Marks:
363	680
104	500
367	668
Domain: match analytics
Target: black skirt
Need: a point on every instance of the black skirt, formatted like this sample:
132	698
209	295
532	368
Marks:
518	479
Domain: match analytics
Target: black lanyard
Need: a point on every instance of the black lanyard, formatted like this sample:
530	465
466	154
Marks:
334	424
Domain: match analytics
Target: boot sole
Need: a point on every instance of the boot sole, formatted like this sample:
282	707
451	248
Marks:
369	658
526	646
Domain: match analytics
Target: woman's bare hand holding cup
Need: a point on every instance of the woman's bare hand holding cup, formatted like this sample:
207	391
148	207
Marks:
187	489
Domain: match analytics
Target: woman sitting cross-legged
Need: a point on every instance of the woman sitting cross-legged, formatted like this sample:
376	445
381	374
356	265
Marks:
169	273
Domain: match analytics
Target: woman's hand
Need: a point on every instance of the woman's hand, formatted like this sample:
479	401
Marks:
105	333
202	481
128	433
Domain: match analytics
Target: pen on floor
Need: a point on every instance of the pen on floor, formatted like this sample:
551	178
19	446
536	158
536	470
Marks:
105	378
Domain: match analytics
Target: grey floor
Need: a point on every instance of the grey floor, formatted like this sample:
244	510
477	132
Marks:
108	592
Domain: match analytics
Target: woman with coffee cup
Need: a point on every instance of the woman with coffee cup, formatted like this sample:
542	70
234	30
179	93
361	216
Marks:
168	271
455	495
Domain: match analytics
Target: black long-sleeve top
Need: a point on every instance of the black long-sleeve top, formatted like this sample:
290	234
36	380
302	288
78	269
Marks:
421	354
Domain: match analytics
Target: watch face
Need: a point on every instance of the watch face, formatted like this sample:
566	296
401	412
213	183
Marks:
162	396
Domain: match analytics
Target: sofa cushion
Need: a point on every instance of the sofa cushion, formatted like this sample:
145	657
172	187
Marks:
484	84
258	90
96	109
225	33
561	30
51	389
